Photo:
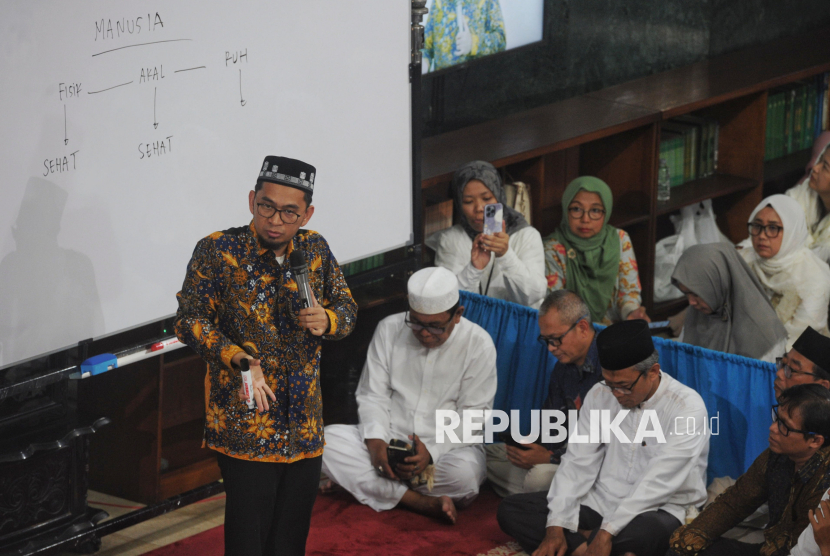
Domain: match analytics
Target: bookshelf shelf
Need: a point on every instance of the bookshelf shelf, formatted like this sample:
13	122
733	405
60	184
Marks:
787	165
711	187
628	219
615	134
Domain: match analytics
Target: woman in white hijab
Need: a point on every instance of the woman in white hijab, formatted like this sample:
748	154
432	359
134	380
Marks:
813	194
795	279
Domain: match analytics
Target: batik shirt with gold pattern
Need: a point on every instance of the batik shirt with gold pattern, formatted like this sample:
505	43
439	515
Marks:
771	479
237	297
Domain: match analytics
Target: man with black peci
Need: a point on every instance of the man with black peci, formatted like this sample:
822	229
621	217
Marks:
240	301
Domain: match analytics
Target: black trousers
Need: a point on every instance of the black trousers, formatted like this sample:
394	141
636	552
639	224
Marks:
524	517
268	506
731	547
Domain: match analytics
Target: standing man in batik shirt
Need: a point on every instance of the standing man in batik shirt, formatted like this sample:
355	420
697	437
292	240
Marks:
461	30
240	301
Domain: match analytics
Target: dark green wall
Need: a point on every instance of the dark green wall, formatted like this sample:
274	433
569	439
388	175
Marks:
593	44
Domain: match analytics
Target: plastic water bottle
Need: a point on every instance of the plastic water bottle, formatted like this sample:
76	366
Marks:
663	181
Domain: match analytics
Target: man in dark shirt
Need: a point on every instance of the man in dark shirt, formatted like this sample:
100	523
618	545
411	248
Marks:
790	476
240	300
565	324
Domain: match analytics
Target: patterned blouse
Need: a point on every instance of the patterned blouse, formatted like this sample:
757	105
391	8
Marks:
770	479
486	26
626	295
238	297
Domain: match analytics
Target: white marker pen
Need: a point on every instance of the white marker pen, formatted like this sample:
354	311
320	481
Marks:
248	382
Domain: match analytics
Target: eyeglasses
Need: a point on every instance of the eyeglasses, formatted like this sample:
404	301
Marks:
782	426
624	390
268	211
434	330
576	212
556	341
789	371
771	229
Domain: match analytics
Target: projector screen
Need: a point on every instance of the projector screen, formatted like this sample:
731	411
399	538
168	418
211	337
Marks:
487	27
131	129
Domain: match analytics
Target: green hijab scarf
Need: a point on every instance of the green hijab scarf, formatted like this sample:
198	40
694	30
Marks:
593	263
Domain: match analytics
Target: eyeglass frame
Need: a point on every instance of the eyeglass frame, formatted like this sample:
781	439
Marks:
583	211
780	365
766	228
776	419
620	389
277	211
417	326
556	341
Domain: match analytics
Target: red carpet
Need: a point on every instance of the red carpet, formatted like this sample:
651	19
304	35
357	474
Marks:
339	525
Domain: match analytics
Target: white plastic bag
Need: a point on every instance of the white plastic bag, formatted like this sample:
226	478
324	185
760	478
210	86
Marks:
695	225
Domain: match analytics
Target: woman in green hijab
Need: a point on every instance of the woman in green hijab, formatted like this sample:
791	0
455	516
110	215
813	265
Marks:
592	258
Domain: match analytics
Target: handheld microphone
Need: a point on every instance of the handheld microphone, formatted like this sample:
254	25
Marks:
248	382
296	260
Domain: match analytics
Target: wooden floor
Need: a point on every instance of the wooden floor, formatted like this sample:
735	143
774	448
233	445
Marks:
157	532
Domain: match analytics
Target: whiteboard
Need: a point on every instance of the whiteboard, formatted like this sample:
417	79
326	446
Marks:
130	130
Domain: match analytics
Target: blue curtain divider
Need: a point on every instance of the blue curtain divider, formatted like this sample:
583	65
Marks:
737	390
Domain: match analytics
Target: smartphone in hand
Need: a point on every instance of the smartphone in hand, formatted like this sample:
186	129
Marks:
493	216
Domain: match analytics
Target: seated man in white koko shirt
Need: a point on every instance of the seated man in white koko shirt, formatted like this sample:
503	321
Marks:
426	359
628	489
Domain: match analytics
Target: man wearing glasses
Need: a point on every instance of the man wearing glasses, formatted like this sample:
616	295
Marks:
807	362
567	332
791	476
426	359
240	301
613	497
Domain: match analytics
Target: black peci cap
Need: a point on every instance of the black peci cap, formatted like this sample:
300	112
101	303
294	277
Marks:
288	171
814	347
624	344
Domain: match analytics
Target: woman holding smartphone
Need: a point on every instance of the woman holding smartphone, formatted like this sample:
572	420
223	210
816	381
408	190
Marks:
509	264
592	258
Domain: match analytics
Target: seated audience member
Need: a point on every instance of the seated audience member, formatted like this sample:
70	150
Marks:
426	359
790	476
592	258
615	497
794	278
806	363
729	310
813	194
509	265
568	334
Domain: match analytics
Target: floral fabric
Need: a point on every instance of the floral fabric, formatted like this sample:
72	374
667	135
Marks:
237	297
626	296
486	26
770	479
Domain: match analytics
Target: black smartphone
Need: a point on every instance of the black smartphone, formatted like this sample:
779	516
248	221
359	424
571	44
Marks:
398	451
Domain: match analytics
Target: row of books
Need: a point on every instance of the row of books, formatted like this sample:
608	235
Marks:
795	116
689	145
362	265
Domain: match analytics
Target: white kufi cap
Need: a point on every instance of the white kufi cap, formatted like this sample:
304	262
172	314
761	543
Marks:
432	290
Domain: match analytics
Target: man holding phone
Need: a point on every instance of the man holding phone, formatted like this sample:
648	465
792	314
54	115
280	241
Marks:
426	359
240	301
566	331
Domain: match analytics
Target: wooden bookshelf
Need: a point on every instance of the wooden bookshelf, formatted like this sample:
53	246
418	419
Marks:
614	134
